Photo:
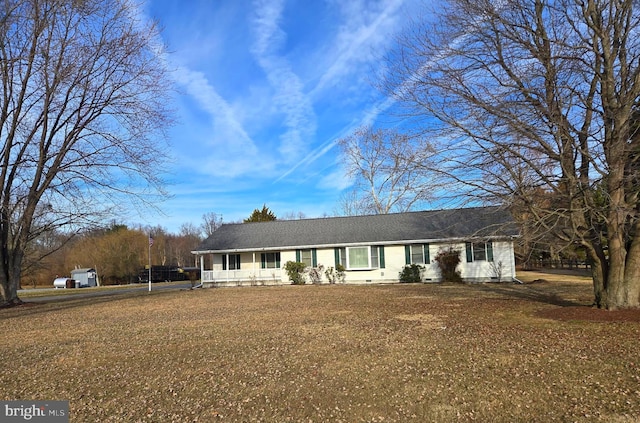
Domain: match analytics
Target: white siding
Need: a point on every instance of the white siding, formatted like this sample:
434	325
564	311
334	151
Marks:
503	265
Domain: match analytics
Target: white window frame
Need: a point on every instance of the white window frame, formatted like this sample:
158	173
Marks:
479	251
370	263
231	262
306	260
413	253
483	249
271	264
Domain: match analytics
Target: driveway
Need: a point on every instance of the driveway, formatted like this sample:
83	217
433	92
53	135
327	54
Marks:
76	293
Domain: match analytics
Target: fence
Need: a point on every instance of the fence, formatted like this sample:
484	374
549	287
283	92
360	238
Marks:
570	264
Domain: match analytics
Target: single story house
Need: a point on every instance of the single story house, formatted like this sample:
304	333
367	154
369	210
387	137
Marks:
372	249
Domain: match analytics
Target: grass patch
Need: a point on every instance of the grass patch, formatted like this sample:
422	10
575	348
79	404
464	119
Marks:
50	292
416	352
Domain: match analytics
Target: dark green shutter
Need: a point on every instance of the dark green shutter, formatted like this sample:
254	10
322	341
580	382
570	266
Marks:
224	262
336	255
314	258
489	251
298	256
277	260
469	252
407	254
427	259
381	256
263	260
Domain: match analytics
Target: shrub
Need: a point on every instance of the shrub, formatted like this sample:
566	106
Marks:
341	275
448	261
315	274
295	271
412	273
335	275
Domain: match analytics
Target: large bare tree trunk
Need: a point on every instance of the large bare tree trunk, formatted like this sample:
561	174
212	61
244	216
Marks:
536	104
82	110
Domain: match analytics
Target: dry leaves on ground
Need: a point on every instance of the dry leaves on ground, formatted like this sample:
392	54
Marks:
493	352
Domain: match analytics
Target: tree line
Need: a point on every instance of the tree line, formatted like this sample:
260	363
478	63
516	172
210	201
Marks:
118	252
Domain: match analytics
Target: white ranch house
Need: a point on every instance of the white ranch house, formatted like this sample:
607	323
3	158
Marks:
372	249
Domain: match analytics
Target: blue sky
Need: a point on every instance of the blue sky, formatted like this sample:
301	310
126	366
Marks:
265	89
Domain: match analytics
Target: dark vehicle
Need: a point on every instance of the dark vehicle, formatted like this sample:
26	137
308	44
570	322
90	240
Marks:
163	274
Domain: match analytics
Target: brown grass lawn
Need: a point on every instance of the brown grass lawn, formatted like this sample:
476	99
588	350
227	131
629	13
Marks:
427	353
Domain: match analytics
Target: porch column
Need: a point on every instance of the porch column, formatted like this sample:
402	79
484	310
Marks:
226	256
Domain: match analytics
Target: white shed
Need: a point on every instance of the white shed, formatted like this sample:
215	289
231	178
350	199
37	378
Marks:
84	277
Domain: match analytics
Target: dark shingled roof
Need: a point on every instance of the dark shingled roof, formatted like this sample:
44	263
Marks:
424	226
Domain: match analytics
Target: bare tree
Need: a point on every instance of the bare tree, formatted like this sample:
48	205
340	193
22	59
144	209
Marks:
525	98
388	169
351	203
82	113
293	216
210	222
186	241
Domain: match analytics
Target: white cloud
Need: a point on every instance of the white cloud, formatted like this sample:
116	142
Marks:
361	39
336	180
232	151
289	99
222	115
366	28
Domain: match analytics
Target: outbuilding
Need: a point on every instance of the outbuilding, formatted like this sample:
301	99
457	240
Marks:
84	277
64	282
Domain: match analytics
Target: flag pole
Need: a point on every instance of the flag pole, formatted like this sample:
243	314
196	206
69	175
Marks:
150	244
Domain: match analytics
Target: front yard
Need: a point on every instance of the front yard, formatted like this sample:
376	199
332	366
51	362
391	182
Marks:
424	353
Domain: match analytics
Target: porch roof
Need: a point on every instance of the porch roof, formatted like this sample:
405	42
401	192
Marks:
440	225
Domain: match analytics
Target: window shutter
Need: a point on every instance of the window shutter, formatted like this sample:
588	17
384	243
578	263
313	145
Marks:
237	257
469	252
427	259
336	255
314	257
224	262
263	261
407	254
489	251
298	256
381	256
277	260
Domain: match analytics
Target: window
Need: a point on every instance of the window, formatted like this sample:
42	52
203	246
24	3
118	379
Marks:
308	257
417	254
479	251
341	256
233	261
375	260
305	257
270	260
360	258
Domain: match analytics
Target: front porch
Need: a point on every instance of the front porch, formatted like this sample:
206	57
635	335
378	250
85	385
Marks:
254	277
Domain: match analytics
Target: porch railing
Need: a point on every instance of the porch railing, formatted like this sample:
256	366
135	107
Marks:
247	276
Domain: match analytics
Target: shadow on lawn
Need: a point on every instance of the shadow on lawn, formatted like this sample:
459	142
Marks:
34	307
558	295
